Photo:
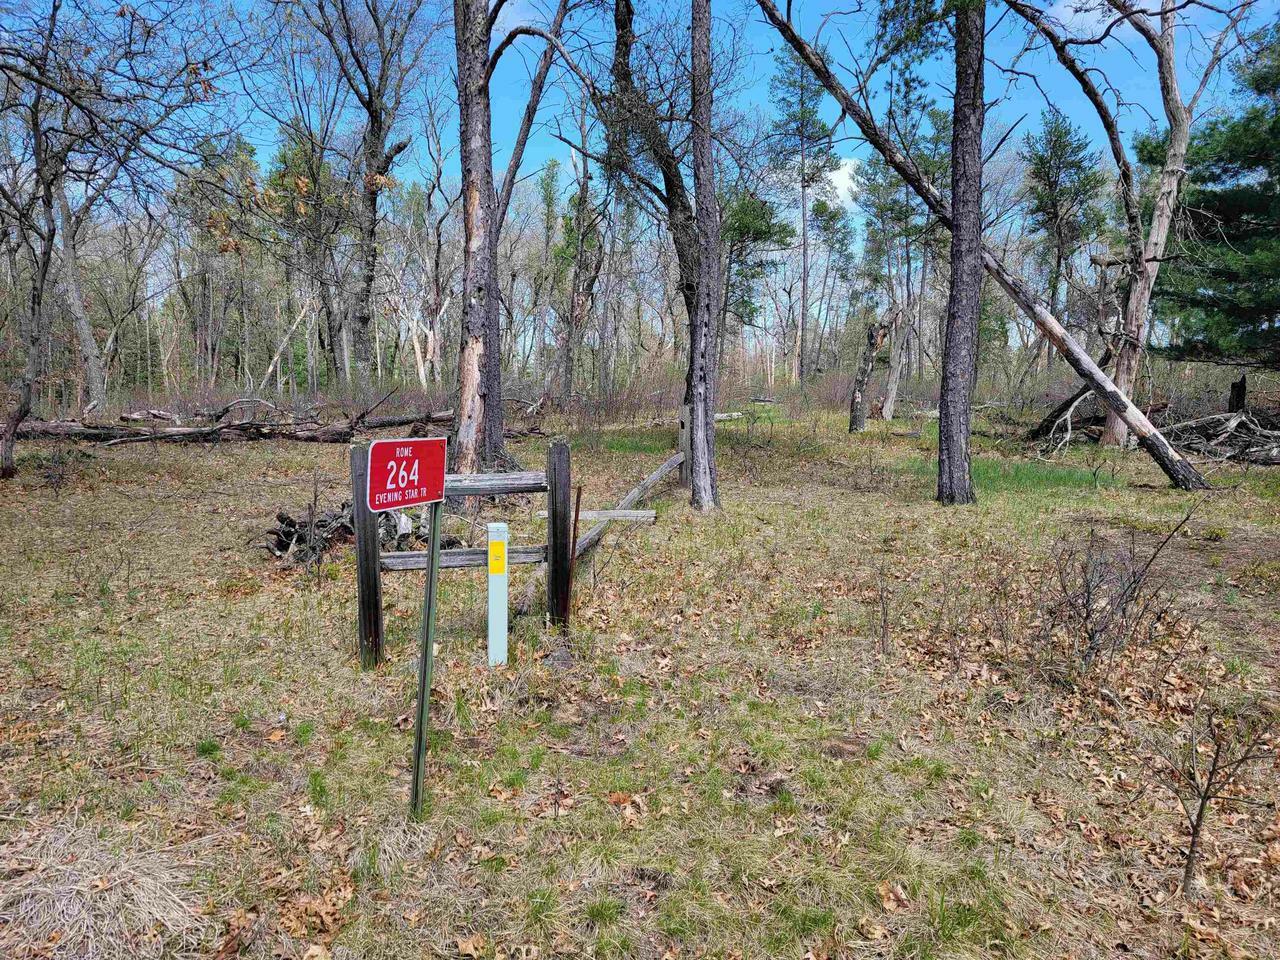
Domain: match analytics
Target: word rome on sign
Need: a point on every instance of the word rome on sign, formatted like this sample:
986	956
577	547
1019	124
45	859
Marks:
405	473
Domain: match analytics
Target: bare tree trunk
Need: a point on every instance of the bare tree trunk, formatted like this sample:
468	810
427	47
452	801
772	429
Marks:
960	349
362	331
1142	284
700	388
479	283
95	374
858	400
897	356
24	388
1175	466
801	369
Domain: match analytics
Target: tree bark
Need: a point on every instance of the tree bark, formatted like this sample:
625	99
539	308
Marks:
25	386
1175	466
802	370
960	349
95	374
362	334
479	280
700	388
897	355
859	398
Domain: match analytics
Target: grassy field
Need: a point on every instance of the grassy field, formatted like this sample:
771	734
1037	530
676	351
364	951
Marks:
812	725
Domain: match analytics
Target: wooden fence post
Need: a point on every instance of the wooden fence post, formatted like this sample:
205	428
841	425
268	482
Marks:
368	570
559	532
686	445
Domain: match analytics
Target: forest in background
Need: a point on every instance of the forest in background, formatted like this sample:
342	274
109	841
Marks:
153	258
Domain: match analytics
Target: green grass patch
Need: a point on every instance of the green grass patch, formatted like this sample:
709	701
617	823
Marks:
997	475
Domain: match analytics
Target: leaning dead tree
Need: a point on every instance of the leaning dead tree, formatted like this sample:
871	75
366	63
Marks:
855	104
1145	240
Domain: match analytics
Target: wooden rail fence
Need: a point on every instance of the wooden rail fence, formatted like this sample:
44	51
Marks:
558	552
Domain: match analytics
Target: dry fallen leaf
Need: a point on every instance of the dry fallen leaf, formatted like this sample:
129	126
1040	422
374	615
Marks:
871	930
892	896
472	946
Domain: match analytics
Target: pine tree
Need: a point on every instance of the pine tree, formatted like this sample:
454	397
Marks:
1065	183
800	149
1221	293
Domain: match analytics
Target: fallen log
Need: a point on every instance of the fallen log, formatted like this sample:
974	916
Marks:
384	423
720	418
116	434
593	536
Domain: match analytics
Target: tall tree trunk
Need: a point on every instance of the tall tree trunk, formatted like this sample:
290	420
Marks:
479	280
33	334
95	374
700	386
801	369
25	386
1142	283
362	334
897	357
960	349
859	400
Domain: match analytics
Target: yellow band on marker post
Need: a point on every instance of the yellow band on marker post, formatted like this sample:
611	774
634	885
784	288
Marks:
497	557
498	537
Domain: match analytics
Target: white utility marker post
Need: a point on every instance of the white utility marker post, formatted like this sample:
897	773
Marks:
497	594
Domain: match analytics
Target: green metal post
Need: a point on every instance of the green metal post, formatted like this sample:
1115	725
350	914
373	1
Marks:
426	663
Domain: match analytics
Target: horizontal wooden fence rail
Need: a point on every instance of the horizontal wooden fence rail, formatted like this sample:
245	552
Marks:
494	484
632	516
556	553
460	557
636	496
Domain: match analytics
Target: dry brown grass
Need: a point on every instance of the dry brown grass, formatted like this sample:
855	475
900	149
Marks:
722	758
76	890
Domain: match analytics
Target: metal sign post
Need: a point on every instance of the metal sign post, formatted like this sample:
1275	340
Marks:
406	473
497	594
426	666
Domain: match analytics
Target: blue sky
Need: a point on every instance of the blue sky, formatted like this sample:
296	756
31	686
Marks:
1134	67
1131	63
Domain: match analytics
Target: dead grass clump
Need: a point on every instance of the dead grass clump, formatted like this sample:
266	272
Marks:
69	891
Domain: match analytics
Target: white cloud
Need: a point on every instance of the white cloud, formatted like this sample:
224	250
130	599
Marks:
842	180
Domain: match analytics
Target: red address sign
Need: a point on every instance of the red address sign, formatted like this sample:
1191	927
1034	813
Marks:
405	473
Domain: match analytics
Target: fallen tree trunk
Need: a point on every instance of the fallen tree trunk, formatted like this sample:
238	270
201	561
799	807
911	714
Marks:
1046	426
593	536
115	434
1175	466
720	418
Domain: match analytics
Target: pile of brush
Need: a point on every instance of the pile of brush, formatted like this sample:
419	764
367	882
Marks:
1248	436
306	538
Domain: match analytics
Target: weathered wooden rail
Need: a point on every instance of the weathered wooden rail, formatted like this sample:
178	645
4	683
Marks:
371	561
558	552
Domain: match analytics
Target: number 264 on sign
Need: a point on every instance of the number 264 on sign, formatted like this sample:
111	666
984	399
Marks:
405	473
